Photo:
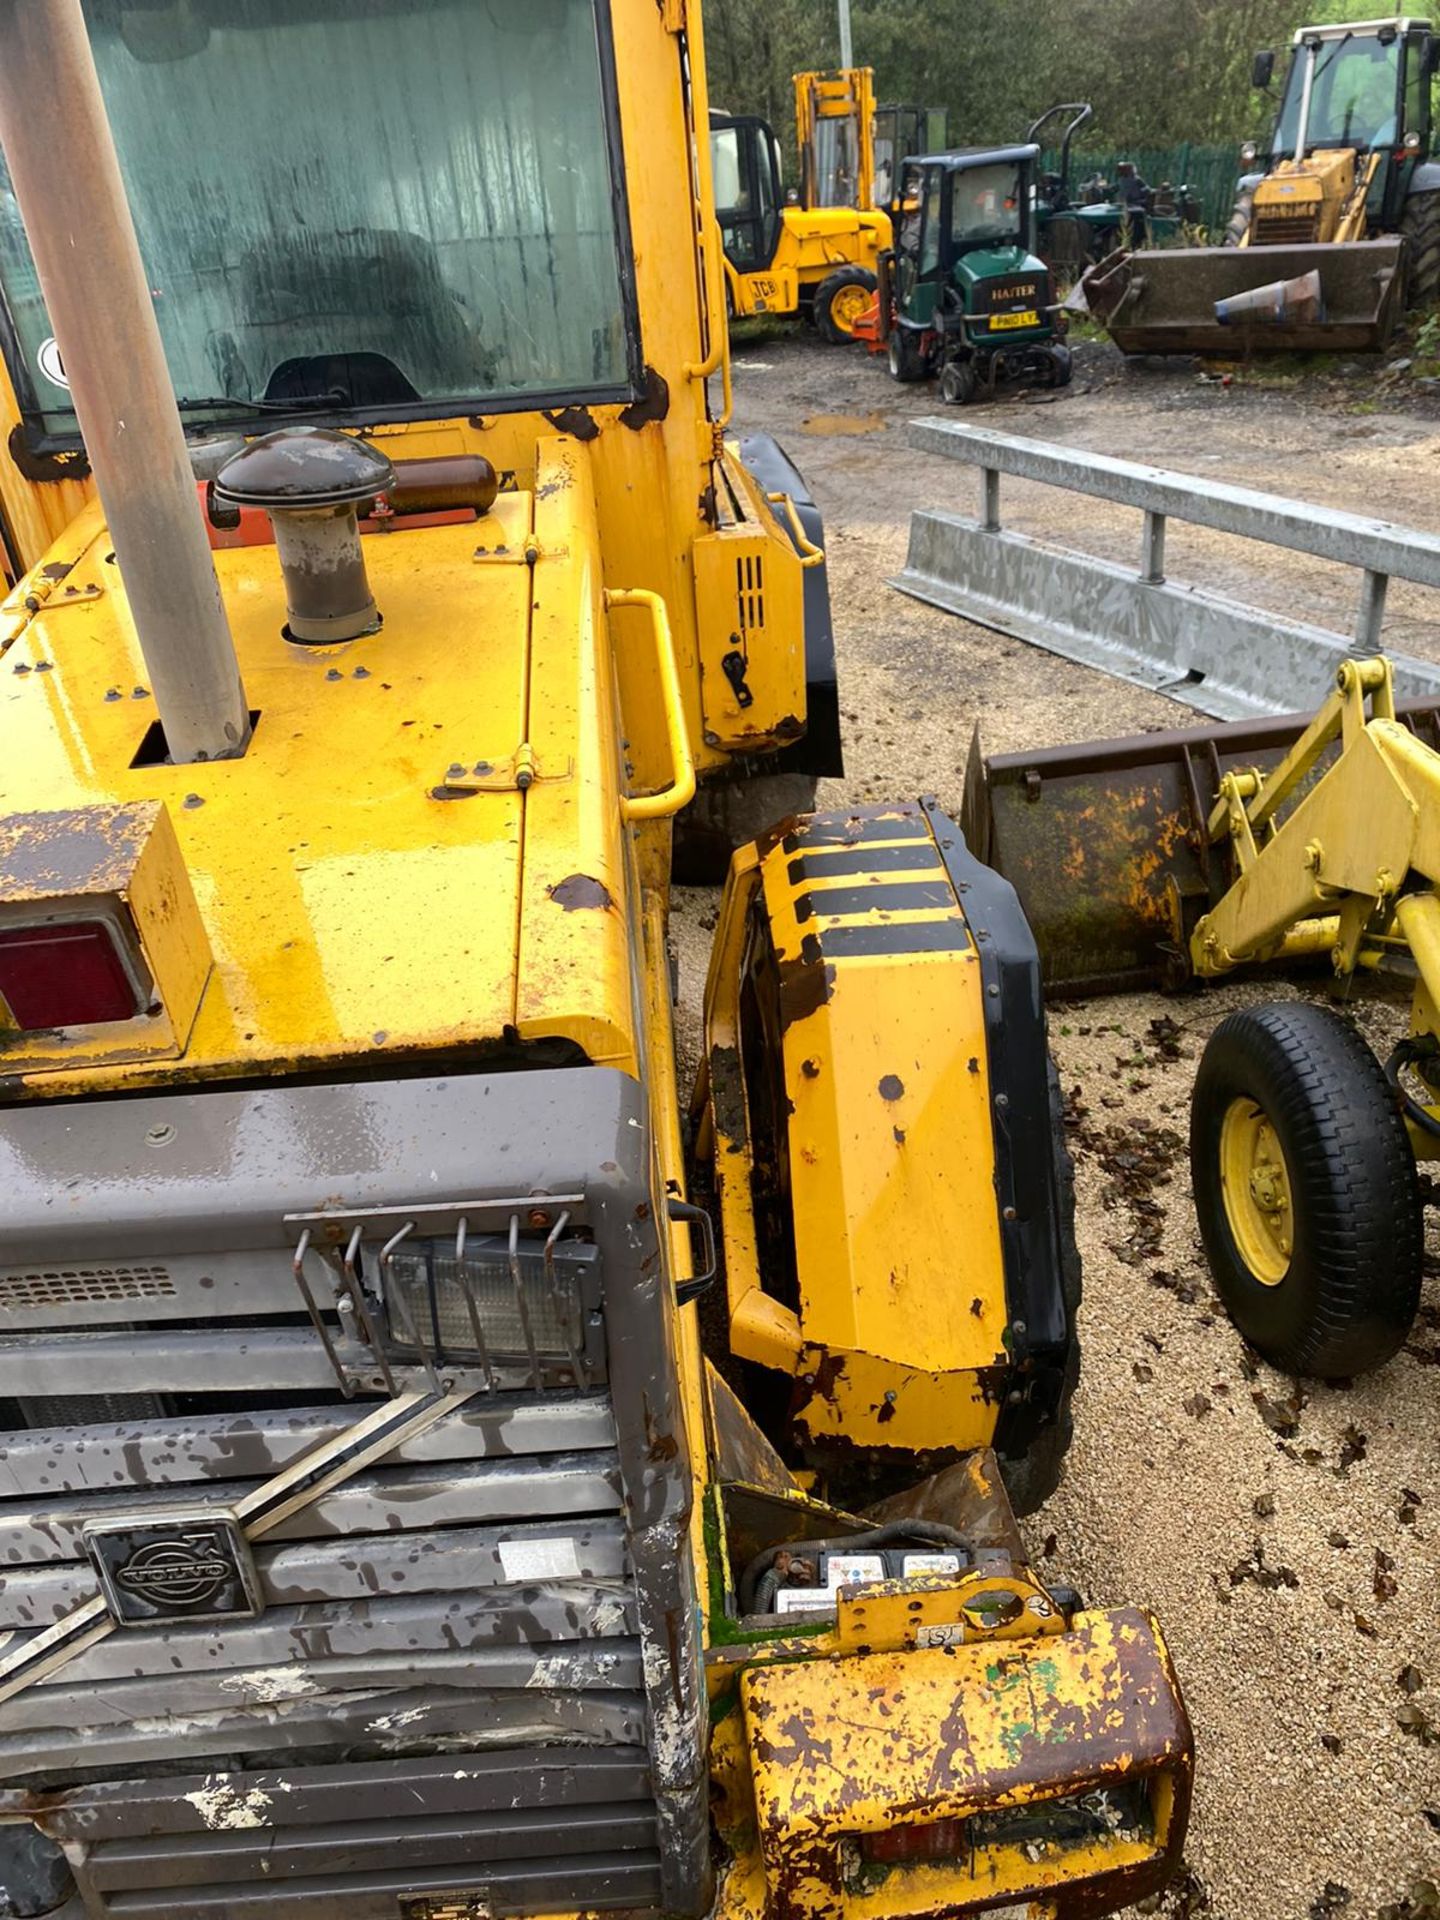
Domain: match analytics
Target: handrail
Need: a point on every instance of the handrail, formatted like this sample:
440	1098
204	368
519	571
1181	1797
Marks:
1378	546
681	790
810	554
1231	660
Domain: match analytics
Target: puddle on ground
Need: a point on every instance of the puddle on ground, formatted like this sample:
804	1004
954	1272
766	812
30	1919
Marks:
841	423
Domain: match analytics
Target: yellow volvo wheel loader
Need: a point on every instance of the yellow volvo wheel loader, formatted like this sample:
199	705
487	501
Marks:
1300	843
1336	227
413	1505
812	252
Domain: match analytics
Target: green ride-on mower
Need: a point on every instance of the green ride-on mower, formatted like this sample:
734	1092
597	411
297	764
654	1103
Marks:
963	294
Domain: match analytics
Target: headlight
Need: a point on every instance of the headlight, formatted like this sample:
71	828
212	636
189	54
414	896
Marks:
491	1299
1247	153
1412	142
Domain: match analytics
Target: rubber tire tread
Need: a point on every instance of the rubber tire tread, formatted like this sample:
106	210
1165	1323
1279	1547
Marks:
903	357
726	814
824	298
1420	224
1031	1481
1353	1288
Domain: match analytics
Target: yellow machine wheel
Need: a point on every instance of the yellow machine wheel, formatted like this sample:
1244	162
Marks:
1305	1190
1255	1187
841	299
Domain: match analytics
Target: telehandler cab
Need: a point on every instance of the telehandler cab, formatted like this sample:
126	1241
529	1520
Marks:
383	1538
812	252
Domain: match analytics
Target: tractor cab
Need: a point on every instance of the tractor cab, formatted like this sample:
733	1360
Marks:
969	299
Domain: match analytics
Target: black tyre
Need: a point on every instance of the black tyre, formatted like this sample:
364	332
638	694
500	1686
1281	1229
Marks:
840	300
1062	365
1420	224
959	383
725	814
1306	1190
1031	1481
907	362
1238	224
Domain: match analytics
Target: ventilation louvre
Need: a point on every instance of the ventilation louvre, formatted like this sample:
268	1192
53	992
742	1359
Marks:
74	1286
750	592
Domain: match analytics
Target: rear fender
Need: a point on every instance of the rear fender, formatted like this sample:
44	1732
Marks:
877	1106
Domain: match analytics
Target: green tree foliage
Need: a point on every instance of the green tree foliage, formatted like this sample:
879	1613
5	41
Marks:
1158	72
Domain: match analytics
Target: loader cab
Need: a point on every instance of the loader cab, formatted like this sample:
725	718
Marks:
359	278
749	194
1363	87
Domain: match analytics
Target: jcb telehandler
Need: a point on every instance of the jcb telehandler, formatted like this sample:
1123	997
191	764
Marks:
382	1538
811	252
1335	231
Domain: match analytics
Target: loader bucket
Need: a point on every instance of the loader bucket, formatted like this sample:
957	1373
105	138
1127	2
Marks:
1106	843
1165	300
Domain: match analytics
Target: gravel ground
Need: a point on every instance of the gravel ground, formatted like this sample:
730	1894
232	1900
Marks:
1285	1533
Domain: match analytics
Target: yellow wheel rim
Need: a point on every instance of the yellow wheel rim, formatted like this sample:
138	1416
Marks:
1255	1183
848	306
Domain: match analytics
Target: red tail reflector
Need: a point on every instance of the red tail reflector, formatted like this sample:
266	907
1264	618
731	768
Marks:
936	1840
67	974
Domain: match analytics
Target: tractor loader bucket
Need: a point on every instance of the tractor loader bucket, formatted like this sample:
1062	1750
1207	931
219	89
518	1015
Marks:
1166	301
1107	847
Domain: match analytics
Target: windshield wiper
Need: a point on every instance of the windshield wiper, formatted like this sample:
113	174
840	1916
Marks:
302	403
1322	65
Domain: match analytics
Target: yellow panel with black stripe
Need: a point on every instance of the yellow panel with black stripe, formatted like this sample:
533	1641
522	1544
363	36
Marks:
882	1120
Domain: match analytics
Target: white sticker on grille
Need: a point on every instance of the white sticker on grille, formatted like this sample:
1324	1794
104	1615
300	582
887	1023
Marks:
539	1560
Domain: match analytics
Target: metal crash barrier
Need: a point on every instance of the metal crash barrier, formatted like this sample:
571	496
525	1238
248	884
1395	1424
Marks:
1219	655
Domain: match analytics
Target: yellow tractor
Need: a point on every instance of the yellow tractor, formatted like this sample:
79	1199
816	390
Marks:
810	252
1336	227
1285	842
414	1505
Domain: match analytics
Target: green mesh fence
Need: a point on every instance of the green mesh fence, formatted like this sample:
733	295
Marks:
1209	172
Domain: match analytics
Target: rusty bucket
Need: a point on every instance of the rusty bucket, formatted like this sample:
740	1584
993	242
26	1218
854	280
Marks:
1166	300
1107	843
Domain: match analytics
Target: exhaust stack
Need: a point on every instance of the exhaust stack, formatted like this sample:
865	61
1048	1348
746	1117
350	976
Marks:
67	181
313	483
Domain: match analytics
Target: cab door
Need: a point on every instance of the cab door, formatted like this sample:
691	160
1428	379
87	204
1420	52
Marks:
917	244
745	163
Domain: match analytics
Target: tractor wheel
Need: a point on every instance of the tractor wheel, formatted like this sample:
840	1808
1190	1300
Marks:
1239	222
841	299
907	362
959	383
1306	1190
1062	364
726	814
1420	224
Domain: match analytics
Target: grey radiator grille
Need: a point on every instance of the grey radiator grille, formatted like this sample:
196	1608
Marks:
539	1833
470	1598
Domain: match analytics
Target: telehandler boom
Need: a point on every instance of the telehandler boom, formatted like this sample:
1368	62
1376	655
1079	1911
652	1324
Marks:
386	1533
